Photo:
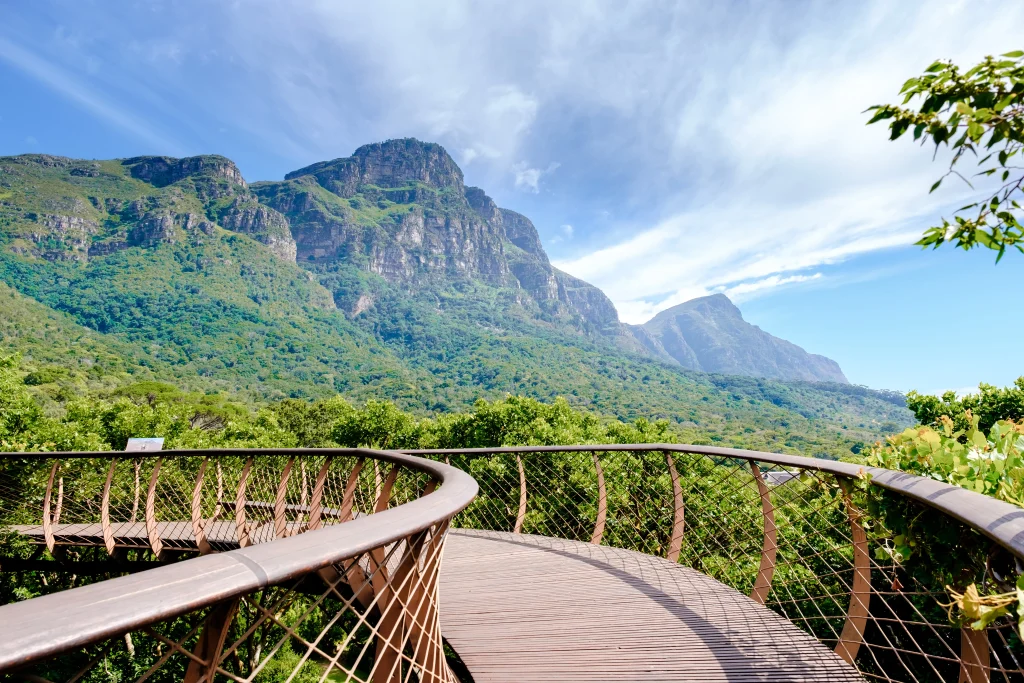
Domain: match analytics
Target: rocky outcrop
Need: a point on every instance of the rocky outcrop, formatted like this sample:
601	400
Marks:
400	209
64	237
163	171
392	165
588	300
710	334
520	231
158	227
397	209
262	223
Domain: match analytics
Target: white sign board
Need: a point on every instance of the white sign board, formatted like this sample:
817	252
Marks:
147	444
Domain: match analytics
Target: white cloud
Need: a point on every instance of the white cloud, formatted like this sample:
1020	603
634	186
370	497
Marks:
529	178
728	138
567	230
747	290
781	175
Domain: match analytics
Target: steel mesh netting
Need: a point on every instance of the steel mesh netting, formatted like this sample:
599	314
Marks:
170	504
798	540
369	618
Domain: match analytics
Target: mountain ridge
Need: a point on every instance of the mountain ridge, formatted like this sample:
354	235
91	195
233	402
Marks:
421	290
709	334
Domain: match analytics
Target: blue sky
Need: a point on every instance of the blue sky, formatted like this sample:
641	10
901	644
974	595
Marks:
663	150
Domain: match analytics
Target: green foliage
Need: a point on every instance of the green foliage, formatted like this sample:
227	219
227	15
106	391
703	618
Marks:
18	412
933	548
46	375
979	112
992	464
990	405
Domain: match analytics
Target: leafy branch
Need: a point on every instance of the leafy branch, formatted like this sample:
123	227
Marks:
978	112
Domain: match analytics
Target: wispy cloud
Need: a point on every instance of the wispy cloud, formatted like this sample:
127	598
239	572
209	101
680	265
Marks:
781	175
529	178
723	143
71	88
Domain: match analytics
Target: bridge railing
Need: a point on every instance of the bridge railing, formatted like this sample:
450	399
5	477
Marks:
806	537
348	589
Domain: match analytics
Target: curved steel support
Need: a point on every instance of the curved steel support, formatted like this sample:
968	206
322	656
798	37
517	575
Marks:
852	635
348	501
56	625
280	520
602	503
60	501
138	489
47	518
155	543
376	480
304	497
198	525
769	547
211	642
241	528
675	545
108	532
316	502
521	515
385	492
974	656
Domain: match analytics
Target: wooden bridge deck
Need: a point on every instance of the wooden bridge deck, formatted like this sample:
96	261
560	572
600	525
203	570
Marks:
532	608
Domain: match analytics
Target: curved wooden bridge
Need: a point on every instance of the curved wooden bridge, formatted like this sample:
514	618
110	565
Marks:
560	574
534	608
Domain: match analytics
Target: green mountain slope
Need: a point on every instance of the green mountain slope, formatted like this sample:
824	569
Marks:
376	276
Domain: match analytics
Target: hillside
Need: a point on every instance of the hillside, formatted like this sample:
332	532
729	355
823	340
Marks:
710	334
379	275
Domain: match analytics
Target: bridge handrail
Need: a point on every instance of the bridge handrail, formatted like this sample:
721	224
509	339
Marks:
1000	521
48	625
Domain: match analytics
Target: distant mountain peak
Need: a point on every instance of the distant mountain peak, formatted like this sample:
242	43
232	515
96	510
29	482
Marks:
717	302
389	164
710	334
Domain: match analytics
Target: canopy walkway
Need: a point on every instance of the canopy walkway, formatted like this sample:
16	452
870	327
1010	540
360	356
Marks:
597	563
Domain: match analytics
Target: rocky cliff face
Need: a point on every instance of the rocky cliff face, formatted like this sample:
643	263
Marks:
710	334
142	201
398	209
401	210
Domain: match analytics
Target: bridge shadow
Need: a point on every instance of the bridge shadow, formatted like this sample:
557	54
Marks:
739	640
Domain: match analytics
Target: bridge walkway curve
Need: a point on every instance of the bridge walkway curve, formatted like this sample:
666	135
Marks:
522	608
533	608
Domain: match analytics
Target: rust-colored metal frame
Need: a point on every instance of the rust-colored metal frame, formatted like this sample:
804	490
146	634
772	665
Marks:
29	633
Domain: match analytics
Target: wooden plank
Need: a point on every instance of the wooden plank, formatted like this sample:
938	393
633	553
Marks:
531	608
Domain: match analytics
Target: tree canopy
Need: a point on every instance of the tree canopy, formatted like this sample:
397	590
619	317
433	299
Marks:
979	115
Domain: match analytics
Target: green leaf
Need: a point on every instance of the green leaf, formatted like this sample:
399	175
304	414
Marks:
935	186
1004	103
1016	54
881	114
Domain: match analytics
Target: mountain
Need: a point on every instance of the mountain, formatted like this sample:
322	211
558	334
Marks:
710	334
379	275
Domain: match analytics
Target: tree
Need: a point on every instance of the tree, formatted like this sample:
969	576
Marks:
979	112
